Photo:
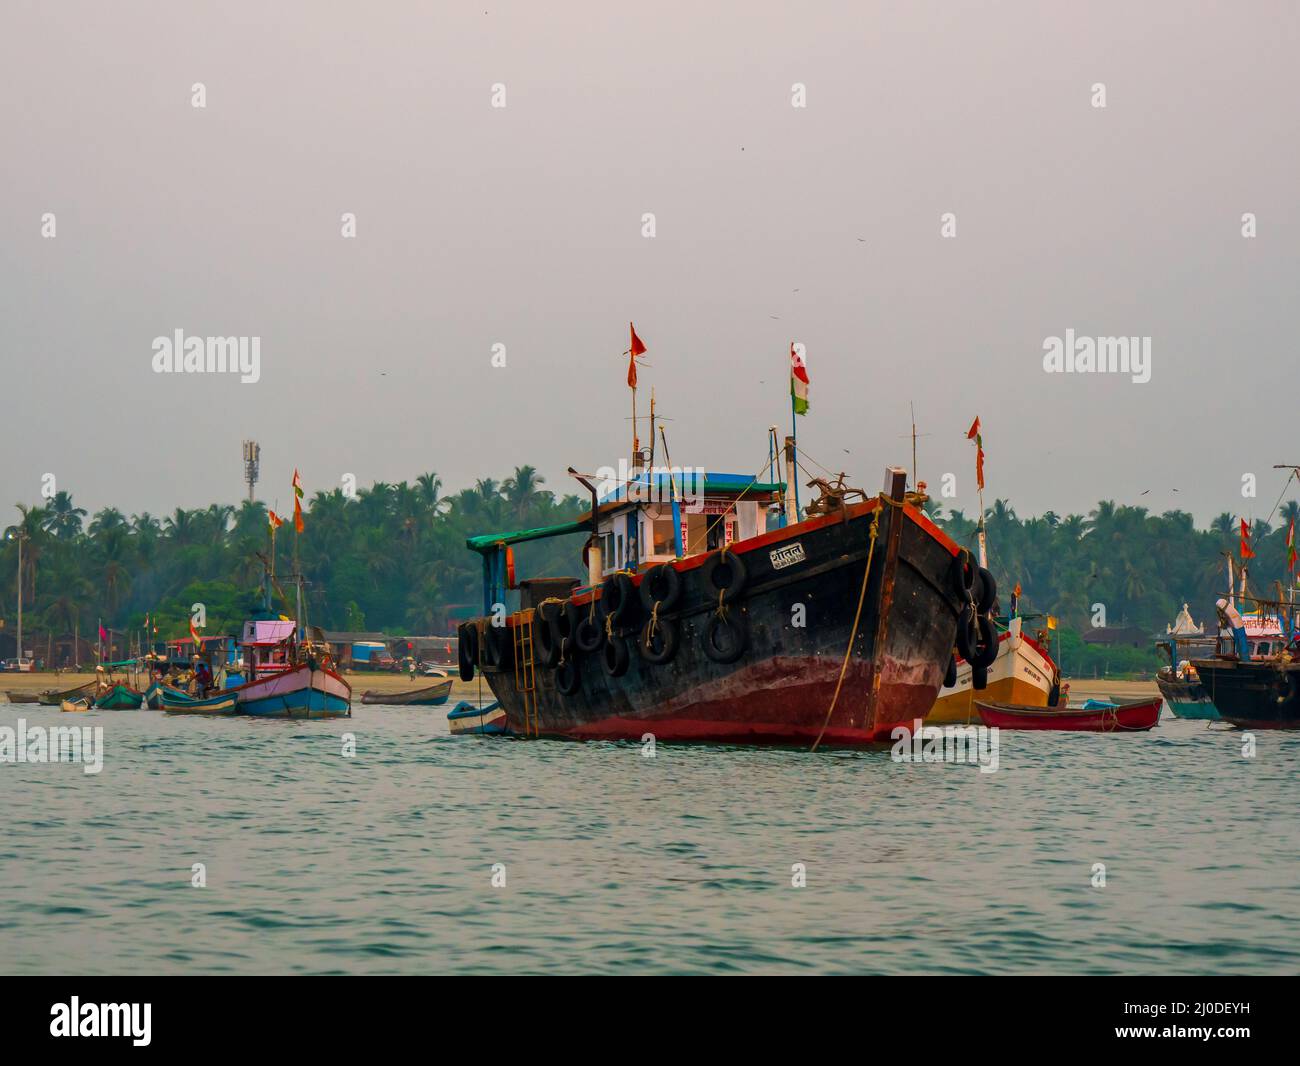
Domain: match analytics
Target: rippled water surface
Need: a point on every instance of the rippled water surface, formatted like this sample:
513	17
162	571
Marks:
617	863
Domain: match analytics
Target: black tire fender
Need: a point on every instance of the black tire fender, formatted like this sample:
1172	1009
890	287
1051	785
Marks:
661	586
589	630
617	594
986	651
724	571
568	678
547	648
660	646
950	675
467	649
615	656
726	635
967	633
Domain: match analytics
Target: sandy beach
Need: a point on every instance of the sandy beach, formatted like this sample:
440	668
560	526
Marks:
360	682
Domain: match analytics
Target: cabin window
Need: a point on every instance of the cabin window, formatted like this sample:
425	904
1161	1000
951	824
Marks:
621	560
717	535
1262	647
664	542
607	552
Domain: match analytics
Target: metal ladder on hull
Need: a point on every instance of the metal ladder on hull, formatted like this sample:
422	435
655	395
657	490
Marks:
525	673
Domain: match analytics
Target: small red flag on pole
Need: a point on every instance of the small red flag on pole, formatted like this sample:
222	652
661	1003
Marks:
1246	551
974	434
637	348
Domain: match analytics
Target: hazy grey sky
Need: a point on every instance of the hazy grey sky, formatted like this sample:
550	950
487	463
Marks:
522	226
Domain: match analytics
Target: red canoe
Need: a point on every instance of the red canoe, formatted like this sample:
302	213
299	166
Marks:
1122	718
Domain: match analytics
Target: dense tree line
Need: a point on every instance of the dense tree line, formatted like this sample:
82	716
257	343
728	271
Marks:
393	558
1141	567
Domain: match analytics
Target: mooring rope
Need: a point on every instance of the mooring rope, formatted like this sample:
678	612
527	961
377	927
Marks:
873	532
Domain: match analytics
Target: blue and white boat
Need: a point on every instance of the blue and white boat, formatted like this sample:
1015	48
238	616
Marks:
488	720
289	680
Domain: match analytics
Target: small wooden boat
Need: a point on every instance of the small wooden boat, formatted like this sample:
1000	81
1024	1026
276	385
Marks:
489	720
429	696
221	704
24	697
120	698
1135	716
54	698
153	695
81	704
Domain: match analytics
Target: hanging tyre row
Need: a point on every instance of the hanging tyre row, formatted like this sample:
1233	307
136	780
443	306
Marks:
643	616
977	636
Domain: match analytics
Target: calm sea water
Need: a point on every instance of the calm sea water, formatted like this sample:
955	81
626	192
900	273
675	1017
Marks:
617	863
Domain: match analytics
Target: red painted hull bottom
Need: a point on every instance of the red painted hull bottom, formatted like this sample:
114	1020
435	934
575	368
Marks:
782	702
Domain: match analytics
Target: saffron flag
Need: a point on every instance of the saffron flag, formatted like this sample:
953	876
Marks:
637	348
274	519
1246	551
798	381
194	634
1290	547
975	435
1051	621
297	501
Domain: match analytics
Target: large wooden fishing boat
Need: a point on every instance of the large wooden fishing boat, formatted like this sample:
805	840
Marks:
1023	674
1260	694
289	679
710	626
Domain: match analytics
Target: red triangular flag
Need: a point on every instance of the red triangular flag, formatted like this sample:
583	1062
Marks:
1246	552
636	349
974	429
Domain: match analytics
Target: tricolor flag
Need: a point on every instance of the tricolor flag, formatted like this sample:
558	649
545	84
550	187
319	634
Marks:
297	501
798	379
274	520
636	348
1246	551
1290	547
974	435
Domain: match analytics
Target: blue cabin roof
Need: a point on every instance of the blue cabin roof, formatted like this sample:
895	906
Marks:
660	484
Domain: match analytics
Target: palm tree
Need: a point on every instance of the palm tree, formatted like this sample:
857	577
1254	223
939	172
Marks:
430	488
521	490
63	519
107	519
180	526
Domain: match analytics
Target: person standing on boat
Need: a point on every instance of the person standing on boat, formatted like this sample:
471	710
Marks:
1230	618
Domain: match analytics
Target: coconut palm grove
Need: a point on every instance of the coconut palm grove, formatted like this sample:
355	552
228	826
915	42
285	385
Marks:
392	557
